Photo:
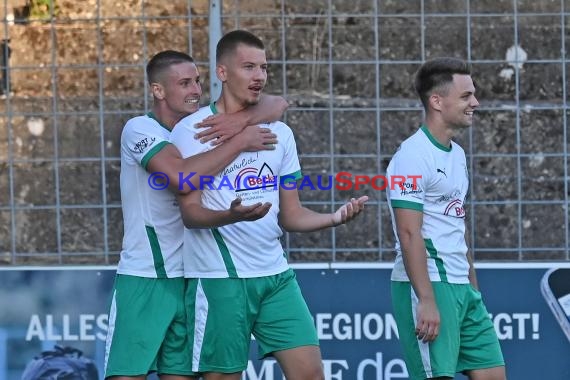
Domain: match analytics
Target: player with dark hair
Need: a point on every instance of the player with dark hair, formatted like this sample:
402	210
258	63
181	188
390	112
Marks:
147	318
442	322
239	281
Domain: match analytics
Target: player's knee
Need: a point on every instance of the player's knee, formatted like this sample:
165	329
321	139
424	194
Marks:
306	372
315	372
496	373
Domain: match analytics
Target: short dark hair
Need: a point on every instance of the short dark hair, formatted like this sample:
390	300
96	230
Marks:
437	73
230	41
163	60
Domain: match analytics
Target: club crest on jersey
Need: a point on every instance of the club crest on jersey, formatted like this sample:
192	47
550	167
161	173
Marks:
455	208
141	146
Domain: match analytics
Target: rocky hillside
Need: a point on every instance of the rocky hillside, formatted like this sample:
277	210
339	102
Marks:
78	74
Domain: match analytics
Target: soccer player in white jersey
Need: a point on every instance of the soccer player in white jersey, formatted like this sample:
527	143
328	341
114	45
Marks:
147	319
442	322
239	279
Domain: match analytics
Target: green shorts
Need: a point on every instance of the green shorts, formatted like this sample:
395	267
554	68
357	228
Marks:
467	339
223	313
147	328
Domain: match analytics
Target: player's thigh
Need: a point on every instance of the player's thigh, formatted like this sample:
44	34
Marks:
218	324
177	377
175	356
433	359
480	348
283	319
495	373
303	362
222	376
132	348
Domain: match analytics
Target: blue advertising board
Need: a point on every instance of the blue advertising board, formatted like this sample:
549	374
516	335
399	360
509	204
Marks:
42	307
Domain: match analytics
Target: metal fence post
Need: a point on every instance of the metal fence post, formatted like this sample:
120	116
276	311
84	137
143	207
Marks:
215	33
5	52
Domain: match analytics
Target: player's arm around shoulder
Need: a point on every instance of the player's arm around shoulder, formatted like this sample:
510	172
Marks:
143	140
201	159
168	165
221	127
293	217
186	159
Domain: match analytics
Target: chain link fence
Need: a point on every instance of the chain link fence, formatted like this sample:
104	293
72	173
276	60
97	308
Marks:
72	73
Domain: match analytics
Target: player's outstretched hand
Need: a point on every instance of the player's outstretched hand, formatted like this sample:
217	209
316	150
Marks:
241	213
349	210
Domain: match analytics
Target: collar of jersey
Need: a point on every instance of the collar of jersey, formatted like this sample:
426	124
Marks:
152	116
425	129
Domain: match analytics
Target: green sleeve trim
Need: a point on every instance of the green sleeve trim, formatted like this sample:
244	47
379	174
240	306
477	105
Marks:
151	153
407	204
289	178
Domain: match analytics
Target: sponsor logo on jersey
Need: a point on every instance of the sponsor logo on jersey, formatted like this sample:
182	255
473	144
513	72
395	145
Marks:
447	197
141	146
410	188
253	179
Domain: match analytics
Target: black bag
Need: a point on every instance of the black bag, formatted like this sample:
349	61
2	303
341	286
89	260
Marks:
63	363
